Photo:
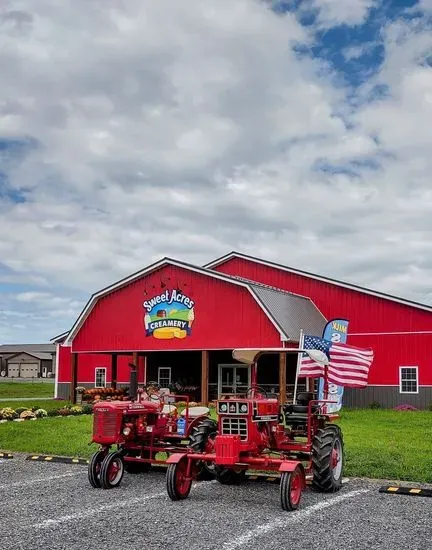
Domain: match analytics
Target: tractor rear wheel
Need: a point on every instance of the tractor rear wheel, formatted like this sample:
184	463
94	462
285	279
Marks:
201	440
226	476
327	459
178	486
112	470
94	468
290	489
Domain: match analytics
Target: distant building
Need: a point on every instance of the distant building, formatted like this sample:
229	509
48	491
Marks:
27	360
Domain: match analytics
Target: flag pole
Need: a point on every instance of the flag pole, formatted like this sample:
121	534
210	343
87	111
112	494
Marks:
299	358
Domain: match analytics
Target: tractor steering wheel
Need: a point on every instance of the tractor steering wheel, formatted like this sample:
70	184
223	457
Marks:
253	390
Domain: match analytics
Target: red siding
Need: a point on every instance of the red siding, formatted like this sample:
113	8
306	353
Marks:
366	313
87	363
226	316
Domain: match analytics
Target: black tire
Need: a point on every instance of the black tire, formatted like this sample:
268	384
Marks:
94	468
177	487
198	440
327	477
112	460
290	489
226	476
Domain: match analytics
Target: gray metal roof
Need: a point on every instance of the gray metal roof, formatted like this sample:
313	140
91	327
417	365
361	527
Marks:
27	348
35	354
290	311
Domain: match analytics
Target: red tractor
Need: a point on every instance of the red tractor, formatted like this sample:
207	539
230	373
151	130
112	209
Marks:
141	428
256	432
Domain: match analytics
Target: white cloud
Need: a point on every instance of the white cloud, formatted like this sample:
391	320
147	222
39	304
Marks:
191	131
342	12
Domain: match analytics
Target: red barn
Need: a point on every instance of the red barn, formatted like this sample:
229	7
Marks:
179	323
398	330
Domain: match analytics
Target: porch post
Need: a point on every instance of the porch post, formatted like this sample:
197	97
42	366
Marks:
204	376
135	358
114	370
74	377
282	377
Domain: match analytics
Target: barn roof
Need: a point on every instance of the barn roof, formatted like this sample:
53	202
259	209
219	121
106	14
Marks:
336	282
281	307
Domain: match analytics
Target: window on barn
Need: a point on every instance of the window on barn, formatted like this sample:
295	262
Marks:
164	376
100	377
408	379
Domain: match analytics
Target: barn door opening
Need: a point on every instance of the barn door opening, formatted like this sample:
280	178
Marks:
233	379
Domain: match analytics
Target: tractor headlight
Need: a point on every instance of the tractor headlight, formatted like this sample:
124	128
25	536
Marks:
126	431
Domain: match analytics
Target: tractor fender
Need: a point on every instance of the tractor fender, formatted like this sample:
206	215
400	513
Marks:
291	465
175	458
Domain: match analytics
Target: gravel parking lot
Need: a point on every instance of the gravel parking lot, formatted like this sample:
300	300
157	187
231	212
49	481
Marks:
49	505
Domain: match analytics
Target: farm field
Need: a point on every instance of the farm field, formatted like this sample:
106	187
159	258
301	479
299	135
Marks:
378	443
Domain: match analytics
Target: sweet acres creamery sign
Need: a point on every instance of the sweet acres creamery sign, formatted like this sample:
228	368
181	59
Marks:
169	315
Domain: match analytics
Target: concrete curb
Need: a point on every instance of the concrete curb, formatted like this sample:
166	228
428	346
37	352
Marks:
411	491
6	455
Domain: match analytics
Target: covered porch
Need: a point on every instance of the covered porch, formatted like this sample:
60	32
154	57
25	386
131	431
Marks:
203	376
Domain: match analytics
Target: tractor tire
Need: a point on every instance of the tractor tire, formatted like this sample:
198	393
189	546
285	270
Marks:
177	486
94	468
290	489
226	476
327	459
112	470
200	441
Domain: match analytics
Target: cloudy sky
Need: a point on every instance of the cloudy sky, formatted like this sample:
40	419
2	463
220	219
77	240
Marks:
298	131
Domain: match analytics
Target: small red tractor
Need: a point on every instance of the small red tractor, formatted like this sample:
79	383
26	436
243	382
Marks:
256	432
142	427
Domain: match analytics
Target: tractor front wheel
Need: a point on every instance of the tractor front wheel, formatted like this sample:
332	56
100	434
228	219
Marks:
178	486
112	470
290	489
94	468
327	459
201	440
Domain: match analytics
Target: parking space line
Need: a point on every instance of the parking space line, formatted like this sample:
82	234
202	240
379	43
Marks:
38	480
298	515
47	523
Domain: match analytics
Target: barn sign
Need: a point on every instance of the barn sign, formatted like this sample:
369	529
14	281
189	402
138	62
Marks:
169	315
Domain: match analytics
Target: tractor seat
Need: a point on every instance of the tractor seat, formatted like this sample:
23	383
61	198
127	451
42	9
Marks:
195	411
169	409
302	405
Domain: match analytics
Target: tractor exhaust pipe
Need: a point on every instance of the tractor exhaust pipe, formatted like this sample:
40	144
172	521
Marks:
133	382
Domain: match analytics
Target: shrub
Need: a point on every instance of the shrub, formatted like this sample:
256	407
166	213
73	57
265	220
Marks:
20	410
75	410
53	412
64	411
26	414
40	413
405	407
374	405
8	414
87	408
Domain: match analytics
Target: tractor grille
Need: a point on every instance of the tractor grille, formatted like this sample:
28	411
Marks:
105	424
235	426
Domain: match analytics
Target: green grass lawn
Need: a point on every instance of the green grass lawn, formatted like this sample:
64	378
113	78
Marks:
26	389
381	444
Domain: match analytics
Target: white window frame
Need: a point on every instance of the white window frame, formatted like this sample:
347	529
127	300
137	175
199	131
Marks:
104	375
406	380
164	377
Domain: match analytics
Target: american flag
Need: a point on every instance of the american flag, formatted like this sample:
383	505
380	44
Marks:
348	365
